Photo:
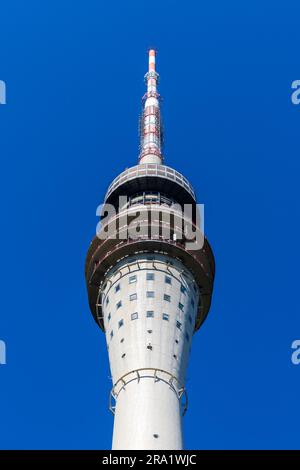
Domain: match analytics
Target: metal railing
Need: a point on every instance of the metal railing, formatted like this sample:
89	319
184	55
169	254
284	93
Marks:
152	373
150	169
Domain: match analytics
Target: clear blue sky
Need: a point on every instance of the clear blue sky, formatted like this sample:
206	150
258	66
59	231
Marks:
74	74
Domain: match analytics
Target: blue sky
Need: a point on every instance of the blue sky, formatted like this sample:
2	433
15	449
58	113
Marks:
74	74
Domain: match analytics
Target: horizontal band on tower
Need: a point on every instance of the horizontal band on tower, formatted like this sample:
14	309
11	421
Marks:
149	373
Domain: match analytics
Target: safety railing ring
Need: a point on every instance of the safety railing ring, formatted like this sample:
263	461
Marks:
149	372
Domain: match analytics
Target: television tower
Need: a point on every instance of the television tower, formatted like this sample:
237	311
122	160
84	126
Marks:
149	288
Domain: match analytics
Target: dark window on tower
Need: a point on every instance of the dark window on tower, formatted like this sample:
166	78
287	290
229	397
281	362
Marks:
178	325
150	293
132	279
107	300
132	297
119	304
111	334
150	277
109	317
149	314
180	306
134	316
117	288
121	323
168	280
182	289
167	298
165	316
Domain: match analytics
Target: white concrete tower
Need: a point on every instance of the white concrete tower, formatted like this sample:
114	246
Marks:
149	289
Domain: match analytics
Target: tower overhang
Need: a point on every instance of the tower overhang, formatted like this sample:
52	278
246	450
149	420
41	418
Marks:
151	177
106	251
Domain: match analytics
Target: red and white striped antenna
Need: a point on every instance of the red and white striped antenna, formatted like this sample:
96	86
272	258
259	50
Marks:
151	123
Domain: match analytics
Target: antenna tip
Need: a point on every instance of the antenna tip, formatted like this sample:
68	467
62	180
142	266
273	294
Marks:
151	59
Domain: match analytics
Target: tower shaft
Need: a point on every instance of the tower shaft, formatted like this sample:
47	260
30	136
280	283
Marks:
149	348
148	416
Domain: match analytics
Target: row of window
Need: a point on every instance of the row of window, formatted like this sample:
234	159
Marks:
149	277
187	337
134	316
150	295
150	347
149	314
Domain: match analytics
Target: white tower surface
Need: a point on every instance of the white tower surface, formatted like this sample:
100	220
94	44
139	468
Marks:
149	290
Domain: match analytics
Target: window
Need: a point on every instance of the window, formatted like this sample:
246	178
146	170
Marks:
168	280
134	316
174	355
167	298
117	288
176	341
149	331
108	317
182	289
111	334
149	314
150	277
178	325
180	306
165	316
190	319
119	304
150	294
150	347
123	355
132	296
121	323
187	337
107	300
132	279
122	340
